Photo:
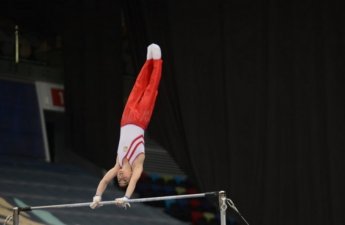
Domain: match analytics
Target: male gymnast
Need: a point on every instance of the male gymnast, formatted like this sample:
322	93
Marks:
135	119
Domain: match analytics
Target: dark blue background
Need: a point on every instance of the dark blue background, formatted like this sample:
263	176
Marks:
20	127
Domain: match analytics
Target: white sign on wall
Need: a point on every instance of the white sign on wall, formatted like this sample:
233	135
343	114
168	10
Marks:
50	97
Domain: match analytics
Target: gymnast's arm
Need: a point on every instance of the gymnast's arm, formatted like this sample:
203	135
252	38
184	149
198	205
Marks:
103	185
108	177
137	171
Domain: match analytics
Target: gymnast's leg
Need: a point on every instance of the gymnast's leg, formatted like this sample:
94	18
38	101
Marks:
147	102
140	104
140	84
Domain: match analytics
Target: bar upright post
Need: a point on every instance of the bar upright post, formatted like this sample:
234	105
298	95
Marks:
15	217
222	207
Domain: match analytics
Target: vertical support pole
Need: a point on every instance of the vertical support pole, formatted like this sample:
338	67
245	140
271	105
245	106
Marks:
15	216
222	207
16	41
42	99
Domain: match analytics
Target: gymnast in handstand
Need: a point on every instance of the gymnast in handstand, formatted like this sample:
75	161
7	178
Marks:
135	119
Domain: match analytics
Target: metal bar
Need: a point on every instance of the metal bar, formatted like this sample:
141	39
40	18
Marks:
16	39
15	217
137	200
222	207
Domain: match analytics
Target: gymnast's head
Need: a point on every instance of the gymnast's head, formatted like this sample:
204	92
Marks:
124	175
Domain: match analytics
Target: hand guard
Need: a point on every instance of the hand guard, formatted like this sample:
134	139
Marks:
122	202
96	202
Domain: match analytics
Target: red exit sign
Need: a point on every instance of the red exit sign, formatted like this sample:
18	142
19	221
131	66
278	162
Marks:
57	97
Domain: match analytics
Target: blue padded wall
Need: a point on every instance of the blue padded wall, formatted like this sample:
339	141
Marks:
20	126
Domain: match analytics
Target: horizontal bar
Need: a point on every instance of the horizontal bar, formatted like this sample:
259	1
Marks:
136	200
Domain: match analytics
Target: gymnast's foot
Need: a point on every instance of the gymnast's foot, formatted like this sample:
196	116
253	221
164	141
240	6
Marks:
149	53
153	52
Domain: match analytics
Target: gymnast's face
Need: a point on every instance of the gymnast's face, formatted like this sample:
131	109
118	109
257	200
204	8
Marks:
123	176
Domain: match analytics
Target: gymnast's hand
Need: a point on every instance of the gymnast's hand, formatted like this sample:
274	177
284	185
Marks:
122	202
96	202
